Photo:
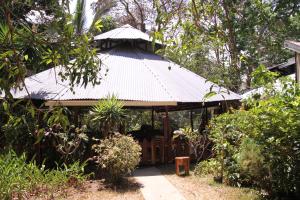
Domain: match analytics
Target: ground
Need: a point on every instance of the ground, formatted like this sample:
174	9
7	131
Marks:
204	188
191	187
97	190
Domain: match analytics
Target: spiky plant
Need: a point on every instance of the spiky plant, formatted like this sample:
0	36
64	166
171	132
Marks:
107	115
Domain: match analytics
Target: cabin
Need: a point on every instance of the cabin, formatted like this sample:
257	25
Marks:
295	47
289	68
142	80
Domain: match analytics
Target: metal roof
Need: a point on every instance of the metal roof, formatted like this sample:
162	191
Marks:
125	32
133	75
286	68
292	45
261	90
288	63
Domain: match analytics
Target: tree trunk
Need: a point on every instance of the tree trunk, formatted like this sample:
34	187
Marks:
233	51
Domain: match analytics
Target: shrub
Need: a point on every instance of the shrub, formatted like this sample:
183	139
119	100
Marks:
206	167
250	159
17	178
261	146
67	142
17	126
118	155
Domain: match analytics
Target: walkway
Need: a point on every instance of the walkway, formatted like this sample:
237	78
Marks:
155	186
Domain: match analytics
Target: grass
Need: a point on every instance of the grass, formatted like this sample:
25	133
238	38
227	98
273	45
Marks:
25	180
204	188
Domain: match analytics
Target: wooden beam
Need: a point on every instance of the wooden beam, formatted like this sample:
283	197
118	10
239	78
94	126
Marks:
192	121
152	118
167	141
94	102
166	124
297	59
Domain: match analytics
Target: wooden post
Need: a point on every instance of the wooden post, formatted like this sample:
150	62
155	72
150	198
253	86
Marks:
76	117
192	121
153	148
206	117
297	59
166	124
167	145
152	118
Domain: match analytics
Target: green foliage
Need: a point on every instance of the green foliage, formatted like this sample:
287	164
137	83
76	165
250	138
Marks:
262	76
118	155
208	167
31	43
19	123
136	118
27	48
261	146
107	115
25	129
79	18
18	178
102	25
102	21
67	142
250	159
225	41
198	142
59	115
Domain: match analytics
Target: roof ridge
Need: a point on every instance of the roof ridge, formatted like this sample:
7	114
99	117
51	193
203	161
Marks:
155	75
126	26
116	33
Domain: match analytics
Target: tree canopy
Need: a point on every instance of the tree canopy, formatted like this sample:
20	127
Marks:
221	40
36	35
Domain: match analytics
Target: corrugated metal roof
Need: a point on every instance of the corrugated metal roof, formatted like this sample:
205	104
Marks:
133	75
288	63
292	45
261	90
125	32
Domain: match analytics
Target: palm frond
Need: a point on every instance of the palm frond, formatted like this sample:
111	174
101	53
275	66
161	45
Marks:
79	18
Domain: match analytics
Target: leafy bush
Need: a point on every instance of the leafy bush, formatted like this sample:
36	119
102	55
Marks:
18	178
18	124
67	142
261	146
250	159
118	155
199	143
46	135
211	166
107	115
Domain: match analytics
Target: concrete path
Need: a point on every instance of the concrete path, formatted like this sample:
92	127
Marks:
154	186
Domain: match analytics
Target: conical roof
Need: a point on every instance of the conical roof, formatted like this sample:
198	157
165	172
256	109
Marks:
133	75
125	32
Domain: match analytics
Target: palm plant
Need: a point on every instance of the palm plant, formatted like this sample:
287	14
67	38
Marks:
79	18
107	115
100	8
